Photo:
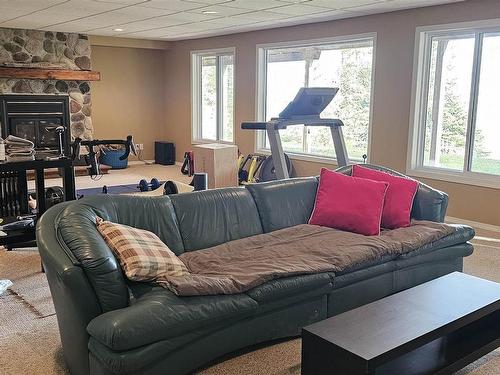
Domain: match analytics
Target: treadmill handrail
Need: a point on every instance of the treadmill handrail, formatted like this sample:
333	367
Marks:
278	123
254	125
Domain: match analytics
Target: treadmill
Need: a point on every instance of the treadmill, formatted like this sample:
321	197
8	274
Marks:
304	109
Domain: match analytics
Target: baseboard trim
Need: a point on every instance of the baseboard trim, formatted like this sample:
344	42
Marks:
474	224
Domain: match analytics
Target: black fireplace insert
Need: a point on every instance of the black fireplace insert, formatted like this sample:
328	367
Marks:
35	117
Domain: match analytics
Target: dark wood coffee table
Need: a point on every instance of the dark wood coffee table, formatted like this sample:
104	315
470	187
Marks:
434	328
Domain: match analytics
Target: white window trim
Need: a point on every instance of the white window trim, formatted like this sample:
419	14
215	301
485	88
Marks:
195	93
419	91
260	91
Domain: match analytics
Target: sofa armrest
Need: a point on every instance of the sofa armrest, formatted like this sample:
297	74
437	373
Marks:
429	204
74	298
160	315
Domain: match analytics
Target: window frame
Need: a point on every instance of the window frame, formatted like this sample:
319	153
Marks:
419	101
196	101
261	90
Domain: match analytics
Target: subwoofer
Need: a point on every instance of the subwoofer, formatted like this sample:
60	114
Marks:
164	153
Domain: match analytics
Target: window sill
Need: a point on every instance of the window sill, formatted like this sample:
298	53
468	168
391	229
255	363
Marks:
464	178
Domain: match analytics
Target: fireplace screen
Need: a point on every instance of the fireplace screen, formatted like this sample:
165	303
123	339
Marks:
35	117
39	131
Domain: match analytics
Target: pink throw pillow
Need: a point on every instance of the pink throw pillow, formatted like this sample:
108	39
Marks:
349	203
399	197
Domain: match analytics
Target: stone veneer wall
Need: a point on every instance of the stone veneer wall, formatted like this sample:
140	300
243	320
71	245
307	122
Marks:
49	50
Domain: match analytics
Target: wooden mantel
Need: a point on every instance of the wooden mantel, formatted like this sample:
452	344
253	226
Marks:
36	73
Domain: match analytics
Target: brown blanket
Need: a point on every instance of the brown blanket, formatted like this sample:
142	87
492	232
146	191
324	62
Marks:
240	265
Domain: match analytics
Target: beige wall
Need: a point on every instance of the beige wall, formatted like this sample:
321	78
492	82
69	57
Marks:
130	98
392	89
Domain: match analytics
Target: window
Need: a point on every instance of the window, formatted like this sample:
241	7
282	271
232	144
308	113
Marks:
344	63
456	113
213	95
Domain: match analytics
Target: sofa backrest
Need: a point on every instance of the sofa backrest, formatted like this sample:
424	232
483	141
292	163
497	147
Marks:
77	231
284	203
212	217
429	204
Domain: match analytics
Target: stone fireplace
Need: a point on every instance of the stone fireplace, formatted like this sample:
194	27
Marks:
34	49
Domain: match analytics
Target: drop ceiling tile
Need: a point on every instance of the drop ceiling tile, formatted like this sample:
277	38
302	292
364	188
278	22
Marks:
64	12
150	34
320	17
184	17
255	4
211	2
37	20
259	16
394	5
12	9
28	5
176	30
174	5
82	8
123	16
72	28
210	25
124	2
26	24
343	4
299	10
221	10
294	1
419	3
162	22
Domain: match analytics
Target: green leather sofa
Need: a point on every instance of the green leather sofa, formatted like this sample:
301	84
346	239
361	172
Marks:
111	326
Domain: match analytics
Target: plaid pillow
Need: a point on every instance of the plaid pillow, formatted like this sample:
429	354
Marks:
142	255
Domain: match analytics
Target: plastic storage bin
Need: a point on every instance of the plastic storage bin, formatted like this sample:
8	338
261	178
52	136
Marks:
112	158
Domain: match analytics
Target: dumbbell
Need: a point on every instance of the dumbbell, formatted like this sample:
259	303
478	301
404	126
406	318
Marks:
145	186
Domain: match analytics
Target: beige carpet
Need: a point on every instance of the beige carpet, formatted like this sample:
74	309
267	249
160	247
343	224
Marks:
29	339
131	175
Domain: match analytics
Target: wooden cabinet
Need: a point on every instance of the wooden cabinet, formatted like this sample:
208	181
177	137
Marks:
219	162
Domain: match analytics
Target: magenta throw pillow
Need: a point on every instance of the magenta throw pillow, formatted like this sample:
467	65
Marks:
399	197
349	203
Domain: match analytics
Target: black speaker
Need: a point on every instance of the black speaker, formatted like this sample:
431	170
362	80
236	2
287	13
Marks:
164	153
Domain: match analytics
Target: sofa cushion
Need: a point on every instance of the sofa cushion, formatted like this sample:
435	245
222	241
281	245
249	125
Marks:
284	203
460	235
159	315
212	217
429	204
290	286
399	197
142	255
349	203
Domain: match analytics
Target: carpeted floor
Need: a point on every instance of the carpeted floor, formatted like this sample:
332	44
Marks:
29	338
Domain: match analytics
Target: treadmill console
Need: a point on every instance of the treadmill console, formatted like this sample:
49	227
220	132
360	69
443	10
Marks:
309	102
